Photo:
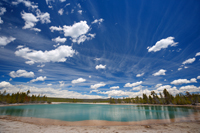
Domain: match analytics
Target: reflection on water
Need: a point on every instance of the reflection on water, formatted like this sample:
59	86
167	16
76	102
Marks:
79	112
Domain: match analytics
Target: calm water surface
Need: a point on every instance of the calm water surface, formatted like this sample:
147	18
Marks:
80	112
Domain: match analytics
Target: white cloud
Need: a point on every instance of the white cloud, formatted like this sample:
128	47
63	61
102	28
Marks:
185	67
5	40
133	84
95	86
94	91
190	88
60	11
38	79
79	80
140	75
67	4
40	70
80	12
170	89
114	87
62	83
1	21
90	76
29	62
162	44
2	10
5	84
79	5
137	88
98	21
42	65
189	61
197	54
48	91
26	3
62	0
179	69
59	40
198	77
52	28
59	54
30	20
160	72
97	59
56	45
158	85
21	73
76	29
100	66
49	84
44	17
183	81
10	79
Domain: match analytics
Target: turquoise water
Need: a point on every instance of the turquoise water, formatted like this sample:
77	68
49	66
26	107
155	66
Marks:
80	112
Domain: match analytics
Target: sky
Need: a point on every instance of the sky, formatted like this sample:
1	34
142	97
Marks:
99	49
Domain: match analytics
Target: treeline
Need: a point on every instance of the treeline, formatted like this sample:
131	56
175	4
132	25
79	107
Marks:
165	98
75	100
21	97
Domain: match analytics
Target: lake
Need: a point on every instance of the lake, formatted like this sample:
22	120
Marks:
81	112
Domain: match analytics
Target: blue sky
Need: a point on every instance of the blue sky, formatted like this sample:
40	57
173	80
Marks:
99	49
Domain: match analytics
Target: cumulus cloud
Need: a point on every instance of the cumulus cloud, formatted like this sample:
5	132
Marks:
62	0
62	83
49	84
21	73
80	12
158	85
190	88
38	79
54	28
98	21
43	17
179	69
59	54
160	72
169	88
27	3
48	91
114	87
1	21
95	86
59	40
197	54
60	11
30	20
2	10
5	40
162	44
5	84
198	77
137	88
140	75
189	61
78	31
40	70
183	81
42	65
100	66
79	80
133	84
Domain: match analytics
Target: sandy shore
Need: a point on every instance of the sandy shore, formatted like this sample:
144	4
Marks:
17	126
